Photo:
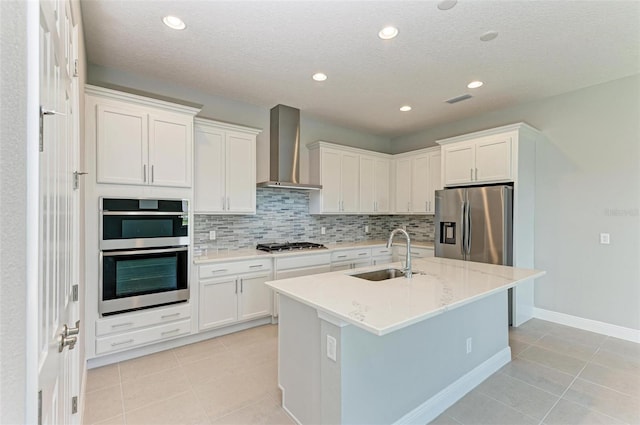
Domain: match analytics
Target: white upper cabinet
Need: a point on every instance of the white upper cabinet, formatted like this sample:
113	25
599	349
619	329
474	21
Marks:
374	184
417	177
225	168
481	160
140	141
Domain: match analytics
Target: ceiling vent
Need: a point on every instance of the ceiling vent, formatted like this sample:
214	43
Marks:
459	98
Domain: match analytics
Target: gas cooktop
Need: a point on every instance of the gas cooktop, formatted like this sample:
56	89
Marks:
289	246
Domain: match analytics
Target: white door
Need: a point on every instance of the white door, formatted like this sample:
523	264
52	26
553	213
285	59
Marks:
403	185
209	182
382	176
241	173
419	182
350	182
367	184
255	297
493	159
459	163
218	302
434	181
58	207
170	144
331	189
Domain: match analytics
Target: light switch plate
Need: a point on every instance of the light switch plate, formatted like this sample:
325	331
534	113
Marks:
323	230
332	348
212	235
604	238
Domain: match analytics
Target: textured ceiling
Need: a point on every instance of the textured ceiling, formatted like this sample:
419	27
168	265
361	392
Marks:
264	53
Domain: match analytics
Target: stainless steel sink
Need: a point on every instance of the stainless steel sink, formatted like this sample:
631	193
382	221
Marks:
378	275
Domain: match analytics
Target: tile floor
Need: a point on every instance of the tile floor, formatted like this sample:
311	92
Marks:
559	375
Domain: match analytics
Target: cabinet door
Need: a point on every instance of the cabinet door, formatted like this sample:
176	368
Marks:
419	182
209	190
170	146
382	177
350	182
403	185
241	173
434	181
330	176
493	159
255	297
218	303
340	266
459	163
367	184
122	148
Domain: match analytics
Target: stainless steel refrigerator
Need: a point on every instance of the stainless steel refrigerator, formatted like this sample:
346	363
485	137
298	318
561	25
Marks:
475	224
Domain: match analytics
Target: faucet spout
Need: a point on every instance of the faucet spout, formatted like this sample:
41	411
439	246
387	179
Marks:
407	269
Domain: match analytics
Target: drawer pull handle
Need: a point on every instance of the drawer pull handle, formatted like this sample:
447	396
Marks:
218	271
363	253
115	344
257	266
342	256
166	316
170	332
121	325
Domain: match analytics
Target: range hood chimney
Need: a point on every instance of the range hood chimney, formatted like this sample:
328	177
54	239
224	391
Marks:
284	157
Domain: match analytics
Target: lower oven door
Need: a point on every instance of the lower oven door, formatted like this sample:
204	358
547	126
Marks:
140	278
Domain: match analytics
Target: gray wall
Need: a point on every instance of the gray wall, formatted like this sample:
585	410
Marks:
13	205
237	112
587	182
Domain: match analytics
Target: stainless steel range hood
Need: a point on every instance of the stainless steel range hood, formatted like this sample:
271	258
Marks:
284	160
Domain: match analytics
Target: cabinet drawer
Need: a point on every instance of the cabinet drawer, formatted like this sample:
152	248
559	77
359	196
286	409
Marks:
132	339
354	254
310	260
381	251
415	252
225	269
135	320
386	259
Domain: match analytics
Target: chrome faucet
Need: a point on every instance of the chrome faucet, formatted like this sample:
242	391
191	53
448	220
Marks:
407	269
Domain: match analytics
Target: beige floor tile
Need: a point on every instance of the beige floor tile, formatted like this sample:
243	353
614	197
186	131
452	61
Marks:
569	413
265	351
102	404
605	400
183	409
444	419
212	368
567	347
554	360
264	412
118	420
627	383
547	379
577	335
250	336
147	365
102	377
476	409
265	377
617	361
151	388
622	347
228	394
199	350
518	395
528	336
537	325
517	347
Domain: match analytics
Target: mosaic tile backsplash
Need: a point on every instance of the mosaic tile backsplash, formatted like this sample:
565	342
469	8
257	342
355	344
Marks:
283	215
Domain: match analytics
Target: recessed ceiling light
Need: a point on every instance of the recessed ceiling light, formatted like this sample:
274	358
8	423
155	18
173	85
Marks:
388	33
447	4
405	108
475	84
489	35
174	22
319	76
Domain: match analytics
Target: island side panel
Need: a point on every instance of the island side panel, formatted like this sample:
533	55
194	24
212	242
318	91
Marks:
299	360
385	377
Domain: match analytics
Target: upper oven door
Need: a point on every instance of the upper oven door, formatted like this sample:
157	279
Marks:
133	223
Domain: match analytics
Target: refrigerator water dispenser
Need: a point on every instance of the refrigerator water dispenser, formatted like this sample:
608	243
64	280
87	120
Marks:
448	232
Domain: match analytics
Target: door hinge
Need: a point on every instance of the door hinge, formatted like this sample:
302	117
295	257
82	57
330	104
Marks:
76	179
76	72
74	293
74	404
40	407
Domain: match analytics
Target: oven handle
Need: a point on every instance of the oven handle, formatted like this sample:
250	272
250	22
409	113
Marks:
144	213
144	251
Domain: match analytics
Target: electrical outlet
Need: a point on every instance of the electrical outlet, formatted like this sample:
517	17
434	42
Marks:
404	227
604	238
469	345
212	235
332	348
366	229
323	230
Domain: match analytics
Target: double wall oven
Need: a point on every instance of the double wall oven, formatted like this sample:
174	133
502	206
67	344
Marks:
144	250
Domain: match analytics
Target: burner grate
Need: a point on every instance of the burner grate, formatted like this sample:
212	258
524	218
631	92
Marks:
288	246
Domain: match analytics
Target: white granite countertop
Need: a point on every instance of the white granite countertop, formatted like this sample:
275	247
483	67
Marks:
250	254
386	306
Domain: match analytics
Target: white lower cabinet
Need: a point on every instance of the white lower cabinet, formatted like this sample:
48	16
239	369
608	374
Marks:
350	259
400	252
239	296
130	330
381	256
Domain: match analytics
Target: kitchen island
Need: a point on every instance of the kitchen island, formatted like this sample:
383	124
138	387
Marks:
353	351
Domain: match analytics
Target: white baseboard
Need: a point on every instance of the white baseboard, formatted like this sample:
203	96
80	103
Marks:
432	408
284	407
608	329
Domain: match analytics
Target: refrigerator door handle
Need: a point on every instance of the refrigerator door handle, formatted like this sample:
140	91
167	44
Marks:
468	228
463	210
